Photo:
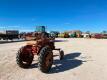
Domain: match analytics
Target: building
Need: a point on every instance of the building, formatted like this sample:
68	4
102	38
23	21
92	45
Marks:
86	35
75	33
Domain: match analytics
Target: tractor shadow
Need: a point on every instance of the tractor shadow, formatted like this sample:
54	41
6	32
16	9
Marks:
60	40
34	65
69	62
5	42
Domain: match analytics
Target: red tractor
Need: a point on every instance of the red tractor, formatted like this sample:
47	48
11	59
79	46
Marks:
43	47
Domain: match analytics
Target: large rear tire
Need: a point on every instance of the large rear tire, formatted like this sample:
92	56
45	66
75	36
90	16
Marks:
24	60
45	59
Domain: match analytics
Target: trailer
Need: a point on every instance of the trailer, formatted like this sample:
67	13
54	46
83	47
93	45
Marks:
9	34
97	36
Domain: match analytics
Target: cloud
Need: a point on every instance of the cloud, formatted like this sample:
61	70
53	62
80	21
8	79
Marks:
2	27
14	26
26	30
10	27
67	23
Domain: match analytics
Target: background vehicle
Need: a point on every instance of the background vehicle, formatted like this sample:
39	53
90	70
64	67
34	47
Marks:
9	34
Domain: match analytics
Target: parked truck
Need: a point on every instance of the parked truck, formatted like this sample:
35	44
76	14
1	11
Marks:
9	34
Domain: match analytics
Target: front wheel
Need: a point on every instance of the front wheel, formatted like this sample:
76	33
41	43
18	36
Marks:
45	59
24	60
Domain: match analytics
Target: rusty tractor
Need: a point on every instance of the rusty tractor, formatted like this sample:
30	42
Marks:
43	47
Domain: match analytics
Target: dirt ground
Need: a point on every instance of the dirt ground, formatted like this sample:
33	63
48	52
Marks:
85	59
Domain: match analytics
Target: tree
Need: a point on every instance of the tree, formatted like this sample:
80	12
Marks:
88	32
54	33
104	32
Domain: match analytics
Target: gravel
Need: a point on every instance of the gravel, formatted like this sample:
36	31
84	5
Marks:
85	59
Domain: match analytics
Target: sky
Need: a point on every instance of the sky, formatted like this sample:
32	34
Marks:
56	15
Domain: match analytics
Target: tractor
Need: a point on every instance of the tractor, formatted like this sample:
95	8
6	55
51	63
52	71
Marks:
43	47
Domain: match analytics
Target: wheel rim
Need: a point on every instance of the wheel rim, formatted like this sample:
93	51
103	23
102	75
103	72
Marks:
25	59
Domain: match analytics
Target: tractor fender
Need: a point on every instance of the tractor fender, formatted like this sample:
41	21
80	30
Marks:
39	49
27	49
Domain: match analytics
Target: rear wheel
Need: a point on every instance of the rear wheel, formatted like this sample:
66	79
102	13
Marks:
24	60
45	59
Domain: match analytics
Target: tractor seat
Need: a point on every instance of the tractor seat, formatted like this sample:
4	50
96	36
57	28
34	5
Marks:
31	43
